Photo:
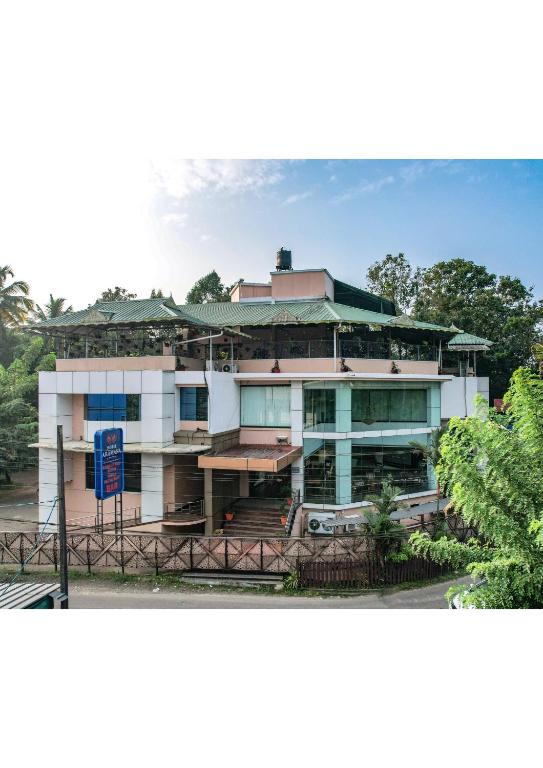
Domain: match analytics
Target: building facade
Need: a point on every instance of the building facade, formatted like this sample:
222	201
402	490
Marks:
301	387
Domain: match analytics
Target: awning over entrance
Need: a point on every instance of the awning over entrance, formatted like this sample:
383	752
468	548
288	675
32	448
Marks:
81	446
254	458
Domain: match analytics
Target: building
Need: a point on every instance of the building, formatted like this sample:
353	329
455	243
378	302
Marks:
301	387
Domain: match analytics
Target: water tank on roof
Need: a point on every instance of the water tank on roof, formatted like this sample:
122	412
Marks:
283	260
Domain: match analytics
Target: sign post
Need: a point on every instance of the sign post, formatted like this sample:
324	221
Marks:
108	470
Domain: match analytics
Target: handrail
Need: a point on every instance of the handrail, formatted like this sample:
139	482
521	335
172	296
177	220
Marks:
292	512
184	509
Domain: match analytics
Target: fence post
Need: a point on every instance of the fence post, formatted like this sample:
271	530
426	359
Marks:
156	557
122	552
190	553
55	560
261	555
225	553
88	555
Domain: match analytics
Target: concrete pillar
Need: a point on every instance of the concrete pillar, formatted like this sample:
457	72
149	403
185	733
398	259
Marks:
153	485
343	408
244	483
343	471
208	501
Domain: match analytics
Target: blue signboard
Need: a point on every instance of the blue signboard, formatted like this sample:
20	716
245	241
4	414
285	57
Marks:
108	463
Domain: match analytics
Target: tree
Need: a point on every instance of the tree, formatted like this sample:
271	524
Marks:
394	278
53	308
117	294
431	452
19	406
499	308
493	470
156	293
15	303
207	289
387	534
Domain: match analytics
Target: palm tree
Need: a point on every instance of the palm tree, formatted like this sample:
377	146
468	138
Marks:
387	533
431	451
15	303
53	308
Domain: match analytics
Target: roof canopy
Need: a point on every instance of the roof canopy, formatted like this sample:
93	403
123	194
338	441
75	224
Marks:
468	342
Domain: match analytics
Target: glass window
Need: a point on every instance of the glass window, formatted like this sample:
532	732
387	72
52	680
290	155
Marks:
132	472
265	406
112	407
193	402
320	410
320	472
404	466
389	405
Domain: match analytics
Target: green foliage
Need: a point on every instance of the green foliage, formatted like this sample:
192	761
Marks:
404	554
493	471
387	534
15	303
207	289
19	406
394	278
116	294
55	307
291	582
156	293
499	308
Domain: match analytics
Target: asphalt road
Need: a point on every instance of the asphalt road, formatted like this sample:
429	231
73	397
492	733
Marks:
105	596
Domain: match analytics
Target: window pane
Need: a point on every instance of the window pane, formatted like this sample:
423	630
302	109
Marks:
132	472
188	403
320	410
265	406
201	399
132	407
89	471
320	474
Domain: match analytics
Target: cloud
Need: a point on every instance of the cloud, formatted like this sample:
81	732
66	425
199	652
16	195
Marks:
296	198
204	238
180	219
183	178
414	171
364	188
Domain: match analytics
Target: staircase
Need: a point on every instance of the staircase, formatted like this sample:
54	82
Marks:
255	517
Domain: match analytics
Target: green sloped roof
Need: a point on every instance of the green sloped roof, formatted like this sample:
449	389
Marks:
223	314
468	339
116	312
266	313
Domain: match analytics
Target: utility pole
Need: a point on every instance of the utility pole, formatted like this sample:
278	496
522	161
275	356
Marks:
63	545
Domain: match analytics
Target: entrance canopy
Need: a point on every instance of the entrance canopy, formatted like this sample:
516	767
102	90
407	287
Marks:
254	458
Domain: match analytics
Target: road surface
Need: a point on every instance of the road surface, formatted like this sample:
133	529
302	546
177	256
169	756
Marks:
105	596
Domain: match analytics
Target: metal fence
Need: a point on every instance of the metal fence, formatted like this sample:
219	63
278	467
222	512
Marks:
367	571
163	552
159	552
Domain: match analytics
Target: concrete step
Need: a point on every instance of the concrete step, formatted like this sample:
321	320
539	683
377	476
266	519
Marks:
232	577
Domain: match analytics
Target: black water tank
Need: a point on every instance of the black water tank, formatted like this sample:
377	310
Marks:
283	260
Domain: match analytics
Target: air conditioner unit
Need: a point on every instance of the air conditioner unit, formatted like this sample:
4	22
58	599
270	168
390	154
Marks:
316	522
229	368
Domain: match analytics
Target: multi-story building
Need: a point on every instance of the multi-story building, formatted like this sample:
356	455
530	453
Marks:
302	386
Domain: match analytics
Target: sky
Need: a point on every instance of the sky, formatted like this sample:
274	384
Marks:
165	223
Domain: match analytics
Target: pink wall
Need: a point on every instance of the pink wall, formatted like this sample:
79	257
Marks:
81	502
78	415
255	436
250	291
147	363
290	285
326	365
